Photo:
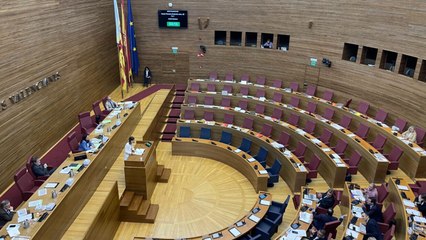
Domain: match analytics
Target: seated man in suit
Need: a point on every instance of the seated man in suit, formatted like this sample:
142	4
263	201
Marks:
39	169
316	235
326	200
6	212
421	203
321	219
371	228
110	104
373	210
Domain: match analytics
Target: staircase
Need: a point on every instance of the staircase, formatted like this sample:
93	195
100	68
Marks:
169	130
163	174
134	208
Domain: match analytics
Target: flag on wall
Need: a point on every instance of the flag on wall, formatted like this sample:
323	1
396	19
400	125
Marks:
125	46
134	59
121	59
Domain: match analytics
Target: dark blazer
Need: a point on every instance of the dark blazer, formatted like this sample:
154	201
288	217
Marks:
326	202
39	170
374	212
422	208
5	217
373	230
321	219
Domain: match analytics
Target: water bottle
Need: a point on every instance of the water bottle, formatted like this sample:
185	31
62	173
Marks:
54	194
26	224
71	173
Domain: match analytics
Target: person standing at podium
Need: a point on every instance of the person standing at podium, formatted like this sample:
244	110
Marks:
129	148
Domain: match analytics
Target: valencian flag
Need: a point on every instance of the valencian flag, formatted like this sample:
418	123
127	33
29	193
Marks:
134	59
121	58
125	44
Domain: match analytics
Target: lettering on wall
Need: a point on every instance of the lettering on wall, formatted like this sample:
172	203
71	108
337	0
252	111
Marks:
28	91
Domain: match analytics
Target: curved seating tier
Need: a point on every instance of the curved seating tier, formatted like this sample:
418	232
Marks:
332	167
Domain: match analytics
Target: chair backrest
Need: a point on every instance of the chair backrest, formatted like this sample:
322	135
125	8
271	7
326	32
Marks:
184	131
226	102
401	124
211	87
310	126
314	163
355	158
331	227
381	115
276	167
328	113
296	200
277	83
261	80
277	113
213	75
300	149
395	154
345	121
421	133
389	233
260	93
245	145
244	90
294	86
328	95
228	118
226	137
205	133
277	97
248	123
266	130
362	131
294	101
260	108
243	104
326	136
363	107
192	100
72	142
382	193
29	168
341	146
208	100
195	87
311	90
97	108
389	213
348	102
312	107
227	88
293	119
379	141
24	180
85	120
245	77
209	116
262	154
189	114
229	76
284	138
104	100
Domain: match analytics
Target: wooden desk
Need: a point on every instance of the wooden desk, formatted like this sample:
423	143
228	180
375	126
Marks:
373	165
412	161
403	230
293	171
72	200
332	170
347	208
248	224
304	226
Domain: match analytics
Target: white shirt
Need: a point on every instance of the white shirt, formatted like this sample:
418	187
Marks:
128	149
110	105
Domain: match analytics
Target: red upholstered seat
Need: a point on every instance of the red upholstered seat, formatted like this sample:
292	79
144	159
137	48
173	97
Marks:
311	90
226	102
328	114
208	100
229	76
209	116
248	123
260	108
328	95
195	87
97	110
243	104
277	83
260	93
213	75
277	97
178	99
294	86
266	130
26	183
261	80
170	128
191	100
227	88
72	142
87	124
189	115
244	90
295	101
277	113
294	120
211	87
363	107
174	113
312	107
245	77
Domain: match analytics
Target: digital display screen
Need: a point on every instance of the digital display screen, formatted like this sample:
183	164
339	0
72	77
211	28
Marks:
172	19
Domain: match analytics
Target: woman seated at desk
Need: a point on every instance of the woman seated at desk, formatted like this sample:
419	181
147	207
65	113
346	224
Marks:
410	135
85	144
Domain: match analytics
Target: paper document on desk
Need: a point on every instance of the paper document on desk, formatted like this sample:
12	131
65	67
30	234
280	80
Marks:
413	212
25	217
419	219
357	209
316	140
356	192
326	149
263	172
51	185
42	192
254	218
305	217
380	157
65	170
251	160
306	201
300	131
402	187
277	145
302	167
351	135
291	236
22	212
265	202
35	203
360	198
352	233
362	229
13	230
408	203
139	151
234	232
237	150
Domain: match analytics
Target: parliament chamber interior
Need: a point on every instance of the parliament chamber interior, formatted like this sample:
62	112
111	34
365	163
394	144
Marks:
213	119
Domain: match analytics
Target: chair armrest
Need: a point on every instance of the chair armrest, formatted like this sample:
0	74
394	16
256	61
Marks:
383	227
27	195
84	130
38	182
414	187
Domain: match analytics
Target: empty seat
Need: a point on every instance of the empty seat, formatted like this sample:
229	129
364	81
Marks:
213	75
326	136
310	127
87	124
393	157
260	93
261	80
248	123
300	150
226	137
312	107
277	113
383	192
311	90
274	171
208	100
388	217
226	102
340	147
260	108
312	167
331	227
421	133
243	104
381	115
73	142
328	95
362	131
184	131
26	184
278	207
277	97
266	130
206	133
389	234
229	76
244	90
97	110
211	87
195	87
294	86
296	201
245	145
227	88
345	121
328	114
294	119
228	118
284	139
363	107
261	156
419	187
245	77
277	83
192	100
209	116
353	162
379	142
401	124
189	115
294	101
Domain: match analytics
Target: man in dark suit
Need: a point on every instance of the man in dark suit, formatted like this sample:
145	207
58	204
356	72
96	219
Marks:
39	169
371	228
321	219
326	200
373	210
6	212
421	203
